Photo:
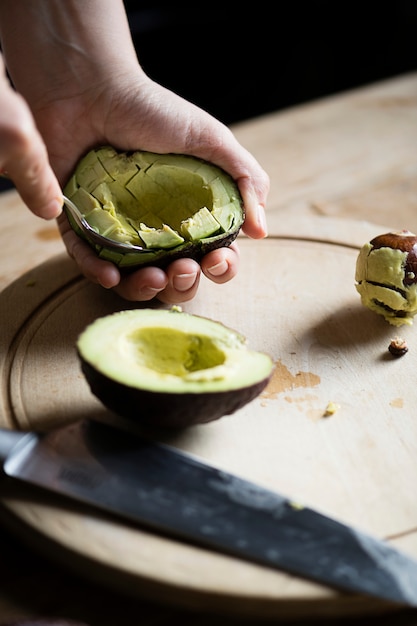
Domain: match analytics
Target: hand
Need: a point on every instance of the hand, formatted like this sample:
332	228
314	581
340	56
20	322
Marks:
96	118
23	156
85	88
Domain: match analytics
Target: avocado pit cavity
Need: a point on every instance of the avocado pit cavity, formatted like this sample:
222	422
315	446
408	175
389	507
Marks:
170	352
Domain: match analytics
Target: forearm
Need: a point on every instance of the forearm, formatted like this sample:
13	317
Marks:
53	48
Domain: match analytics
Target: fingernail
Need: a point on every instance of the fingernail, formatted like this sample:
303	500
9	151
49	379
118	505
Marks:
262	219
184	282
219	269
147	293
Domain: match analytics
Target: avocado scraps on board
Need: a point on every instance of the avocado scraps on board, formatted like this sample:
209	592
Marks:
386	276
171	205
169	369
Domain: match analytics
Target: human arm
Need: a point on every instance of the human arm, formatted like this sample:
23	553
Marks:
76	66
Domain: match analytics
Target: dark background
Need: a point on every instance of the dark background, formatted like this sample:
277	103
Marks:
238	61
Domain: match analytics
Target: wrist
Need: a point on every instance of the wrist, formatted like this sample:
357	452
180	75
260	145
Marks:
56	50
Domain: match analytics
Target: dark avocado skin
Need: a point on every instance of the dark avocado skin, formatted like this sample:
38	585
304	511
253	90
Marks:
164	258
161	258
167	411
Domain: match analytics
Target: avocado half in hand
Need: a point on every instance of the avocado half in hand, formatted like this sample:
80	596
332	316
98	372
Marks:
171	205
169	369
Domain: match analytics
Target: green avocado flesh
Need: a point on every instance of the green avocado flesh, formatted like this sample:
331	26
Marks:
169	368
169	204
380	281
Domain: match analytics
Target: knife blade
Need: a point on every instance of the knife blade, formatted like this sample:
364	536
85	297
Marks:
175	493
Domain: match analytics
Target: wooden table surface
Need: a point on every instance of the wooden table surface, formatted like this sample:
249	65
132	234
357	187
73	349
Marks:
352	156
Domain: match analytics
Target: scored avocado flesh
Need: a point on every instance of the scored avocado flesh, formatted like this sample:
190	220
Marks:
155	201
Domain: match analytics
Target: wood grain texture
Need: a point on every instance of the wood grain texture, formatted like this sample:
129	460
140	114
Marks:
351	155
358	465
340	168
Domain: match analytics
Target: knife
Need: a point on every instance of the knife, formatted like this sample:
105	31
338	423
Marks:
172	492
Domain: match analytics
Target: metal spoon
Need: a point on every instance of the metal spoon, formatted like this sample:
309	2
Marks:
93	235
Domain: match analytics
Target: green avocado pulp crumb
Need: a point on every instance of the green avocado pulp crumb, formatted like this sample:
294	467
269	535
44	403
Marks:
169	351
159	202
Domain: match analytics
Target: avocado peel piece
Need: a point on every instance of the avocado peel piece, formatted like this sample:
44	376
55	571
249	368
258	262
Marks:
171	205
163	368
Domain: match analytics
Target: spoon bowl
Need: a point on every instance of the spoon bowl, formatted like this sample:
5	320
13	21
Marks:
93	235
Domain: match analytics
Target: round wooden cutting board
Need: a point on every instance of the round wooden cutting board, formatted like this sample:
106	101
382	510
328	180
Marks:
295	298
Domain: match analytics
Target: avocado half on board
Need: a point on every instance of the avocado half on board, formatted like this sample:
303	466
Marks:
171	205
165	368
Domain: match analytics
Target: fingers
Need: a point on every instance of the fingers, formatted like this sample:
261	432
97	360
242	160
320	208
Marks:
255	225
27	166
251	178
221	265
180	281
219	145
254	185
177	284
142	285
91	266
23	155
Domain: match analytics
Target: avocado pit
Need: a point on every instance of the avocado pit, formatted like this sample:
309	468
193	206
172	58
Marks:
386	276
